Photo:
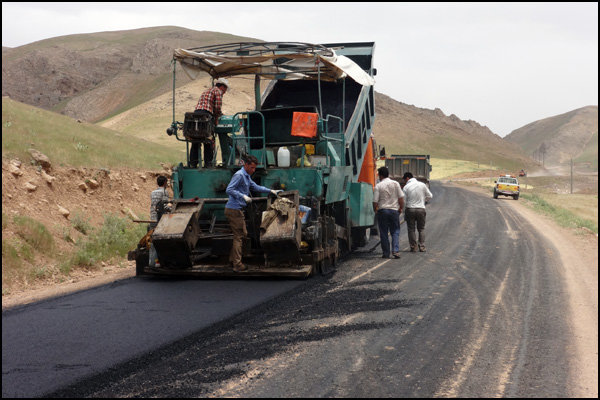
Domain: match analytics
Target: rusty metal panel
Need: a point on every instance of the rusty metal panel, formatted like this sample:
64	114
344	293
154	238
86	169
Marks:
282	230
173	225
176	236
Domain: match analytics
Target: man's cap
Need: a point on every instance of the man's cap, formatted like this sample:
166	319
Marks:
222	81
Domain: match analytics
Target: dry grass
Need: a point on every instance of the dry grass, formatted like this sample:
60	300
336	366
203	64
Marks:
582	205
443	169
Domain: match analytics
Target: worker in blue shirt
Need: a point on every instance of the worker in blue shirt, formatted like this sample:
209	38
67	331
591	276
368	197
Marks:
238	191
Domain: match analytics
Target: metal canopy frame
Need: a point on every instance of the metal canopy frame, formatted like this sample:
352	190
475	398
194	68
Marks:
260	48
271	60
274	60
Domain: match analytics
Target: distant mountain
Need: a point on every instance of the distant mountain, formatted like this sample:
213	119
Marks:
123	80
558	139
406	129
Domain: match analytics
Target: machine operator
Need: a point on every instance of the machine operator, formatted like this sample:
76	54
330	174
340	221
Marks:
238	191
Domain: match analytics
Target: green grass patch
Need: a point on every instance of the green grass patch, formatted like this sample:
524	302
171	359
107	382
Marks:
34	233
113	239
21	264
12	265
10	257
18	264
80	223
562	216
67	142
582	205
26	252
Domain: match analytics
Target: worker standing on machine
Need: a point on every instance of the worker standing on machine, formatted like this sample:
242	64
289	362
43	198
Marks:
210	103
238	191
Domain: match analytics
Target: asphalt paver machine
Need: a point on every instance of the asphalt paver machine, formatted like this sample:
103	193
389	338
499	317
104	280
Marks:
312	132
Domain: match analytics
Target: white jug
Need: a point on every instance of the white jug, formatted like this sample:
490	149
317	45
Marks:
283	157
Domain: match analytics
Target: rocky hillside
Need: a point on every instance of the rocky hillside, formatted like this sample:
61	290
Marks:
557	139
92	76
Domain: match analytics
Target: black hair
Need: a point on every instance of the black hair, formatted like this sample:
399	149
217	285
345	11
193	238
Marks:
383	171
407	175
250	159
161	180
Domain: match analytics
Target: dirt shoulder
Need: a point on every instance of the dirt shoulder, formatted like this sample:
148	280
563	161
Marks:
579	255
58	199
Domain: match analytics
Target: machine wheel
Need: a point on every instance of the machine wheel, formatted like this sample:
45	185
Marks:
325	266
367	236
360	237
141	261
334	260
516	197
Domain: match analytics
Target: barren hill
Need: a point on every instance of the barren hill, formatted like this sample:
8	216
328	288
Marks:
92	76
558	138
407	129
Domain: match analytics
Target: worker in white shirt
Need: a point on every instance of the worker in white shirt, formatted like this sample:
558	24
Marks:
388	201
416	194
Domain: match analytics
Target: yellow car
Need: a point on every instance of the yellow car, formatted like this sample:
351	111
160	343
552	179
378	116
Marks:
507	185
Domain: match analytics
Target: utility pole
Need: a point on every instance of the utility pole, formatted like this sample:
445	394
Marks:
542	150
571	173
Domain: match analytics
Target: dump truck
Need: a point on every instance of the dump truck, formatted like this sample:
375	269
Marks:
312	132
418	165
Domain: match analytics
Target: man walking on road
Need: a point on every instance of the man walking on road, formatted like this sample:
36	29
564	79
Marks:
417	194
388	202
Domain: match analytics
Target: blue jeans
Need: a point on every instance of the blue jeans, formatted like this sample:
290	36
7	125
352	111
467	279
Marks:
389	223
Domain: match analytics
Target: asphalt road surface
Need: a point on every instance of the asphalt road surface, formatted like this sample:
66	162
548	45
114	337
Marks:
483	313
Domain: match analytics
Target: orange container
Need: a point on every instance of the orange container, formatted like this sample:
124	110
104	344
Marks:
304	124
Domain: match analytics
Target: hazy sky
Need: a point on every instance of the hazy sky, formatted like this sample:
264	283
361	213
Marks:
503	65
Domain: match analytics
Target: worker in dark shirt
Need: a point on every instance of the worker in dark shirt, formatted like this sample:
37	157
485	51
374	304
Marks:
210	102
